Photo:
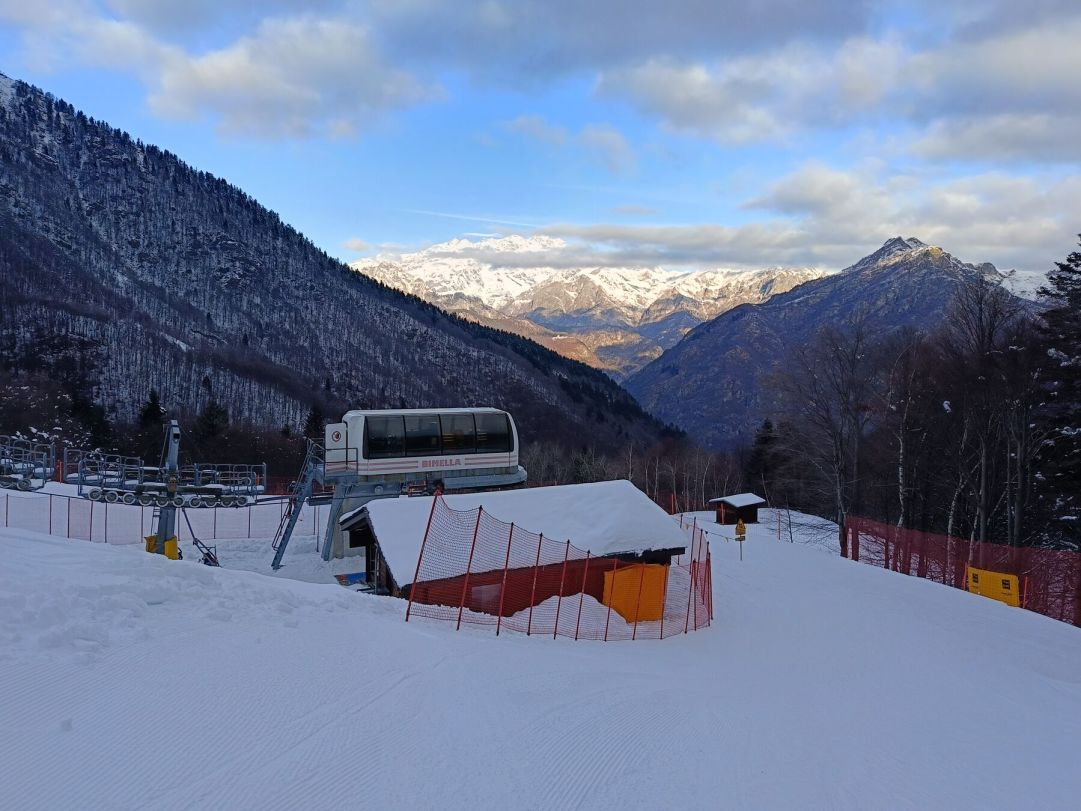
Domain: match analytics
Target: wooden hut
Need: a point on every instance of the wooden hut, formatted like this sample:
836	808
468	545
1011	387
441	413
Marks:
739	507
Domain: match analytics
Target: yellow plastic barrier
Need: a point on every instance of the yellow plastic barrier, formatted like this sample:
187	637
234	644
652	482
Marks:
995	585
172	547
640	585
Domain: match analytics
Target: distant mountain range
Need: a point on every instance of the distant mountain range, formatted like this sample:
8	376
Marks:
123	269
616	319
710	383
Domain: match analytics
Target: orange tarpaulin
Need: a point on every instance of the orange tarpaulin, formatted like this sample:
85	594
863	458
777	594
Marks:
638	586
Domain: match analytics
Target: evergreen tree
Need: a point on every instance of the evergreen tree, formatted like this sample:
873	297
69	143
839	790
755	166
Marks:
1061	336
151	414
212	422
314	424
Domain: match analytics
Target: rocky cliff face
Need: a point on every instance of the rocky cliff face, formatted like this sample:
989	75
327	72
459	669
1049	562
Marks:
123	269
710	383
616	319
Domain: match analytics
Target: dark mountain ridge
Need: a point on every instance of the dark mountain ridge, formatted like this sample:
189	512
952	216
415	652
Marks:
711	383
137	271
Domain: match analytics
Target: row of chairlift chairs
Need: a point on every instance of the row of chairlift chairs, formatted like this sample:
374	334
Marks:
113	478
25	464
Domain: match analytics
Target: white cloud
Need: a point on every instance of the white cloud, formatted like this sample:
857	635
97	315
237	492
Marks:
614	149
535	126
293	78
357	245
600	140
768	96
635	210
1009	94
527	41
827	217
1006	137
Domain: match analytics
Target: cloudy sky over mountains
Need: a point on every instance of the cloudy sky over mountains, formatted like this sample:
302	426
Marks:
683	133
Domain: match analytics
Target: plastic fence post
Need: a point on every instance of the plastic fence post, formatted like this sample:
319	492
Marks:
709	585
664	595
91	522
50	514
215	532
69	519
615	562
694	582
468	566
690	590
778	524
420	557
562	579
533	594
638	603
503	588
250	508
1024	593
585	571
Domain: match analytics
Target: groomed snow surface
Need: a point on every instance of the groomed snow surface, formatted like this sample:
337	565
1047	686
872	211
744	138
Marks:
130	681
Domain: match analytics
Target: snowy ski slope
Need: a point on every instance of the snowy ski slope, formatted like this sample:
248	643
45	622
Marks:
131	681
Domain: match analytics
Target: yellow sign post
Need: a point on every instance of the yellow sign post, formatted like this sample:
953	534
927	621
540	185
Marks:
996	585
741	535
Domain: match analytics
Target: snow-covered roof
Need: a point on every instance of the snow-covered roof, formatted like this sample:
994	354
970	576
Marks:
603	517
739	500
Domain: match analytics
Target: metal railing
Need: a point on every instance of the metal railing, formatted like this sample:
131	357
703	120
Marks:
25	464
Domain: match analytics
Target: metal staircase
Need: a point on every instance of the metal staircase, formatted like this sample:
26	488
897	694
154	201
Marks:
299	494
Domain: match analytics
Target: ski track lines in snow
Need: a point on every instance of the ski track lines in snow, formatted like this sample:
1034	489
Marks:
131	681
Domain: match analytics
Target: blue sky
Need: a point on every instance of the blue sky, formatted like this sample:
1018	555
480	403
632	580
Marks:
683	134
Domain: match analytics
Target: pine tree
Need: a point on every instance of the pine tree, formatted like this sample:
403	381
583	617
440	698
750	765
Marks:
1061	336
314	424
212	422
151	414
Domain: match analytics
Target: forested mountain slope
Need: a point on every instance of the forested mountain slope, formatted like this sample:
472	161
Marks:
123	269
713	383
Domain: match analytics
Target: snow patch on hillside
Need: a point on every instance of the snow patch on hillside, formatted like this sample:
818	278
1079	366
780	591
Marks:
7	90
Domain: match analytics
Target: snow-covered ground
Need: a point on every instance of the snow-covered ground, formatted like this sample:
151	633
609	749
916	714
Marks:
131	681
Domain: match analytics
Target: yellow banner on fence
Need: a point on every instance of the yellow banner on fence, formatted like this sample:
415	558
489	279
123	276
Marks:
996	585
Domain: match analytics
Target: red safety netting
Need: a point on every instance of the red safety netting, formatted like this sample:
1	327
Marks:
474	568
1050	579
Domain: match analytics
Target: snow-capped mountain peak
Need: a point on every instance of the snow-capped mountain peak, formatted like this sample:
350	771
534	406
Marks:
538	286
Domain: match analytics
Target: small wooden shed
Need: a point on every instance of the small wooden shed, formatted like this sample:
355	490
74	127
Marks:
739	507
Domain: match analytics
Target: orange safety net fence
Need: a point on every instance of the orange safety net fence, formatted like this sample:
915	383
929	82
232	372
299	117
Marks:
474	568
1049	579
